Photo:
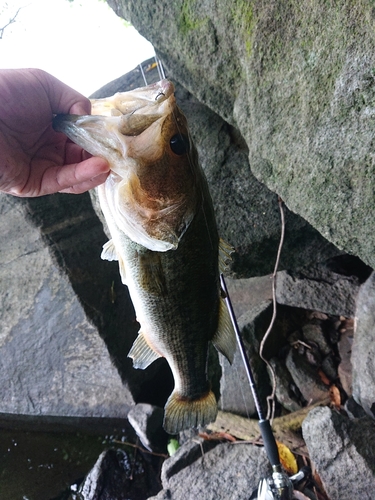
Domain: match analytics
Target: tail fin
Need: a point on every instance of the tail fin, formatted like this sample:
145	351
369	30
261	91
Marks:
181	413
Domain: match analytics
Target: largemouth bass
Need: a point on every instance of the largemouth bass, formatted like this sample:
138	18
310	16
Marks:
160	215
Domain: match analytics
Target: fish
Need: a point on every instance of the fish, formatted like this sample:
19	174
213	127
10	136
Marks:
164	235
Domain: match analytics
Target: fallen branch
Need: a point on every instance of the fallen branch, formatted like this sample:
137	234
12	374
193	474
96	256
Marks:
11	21
287	429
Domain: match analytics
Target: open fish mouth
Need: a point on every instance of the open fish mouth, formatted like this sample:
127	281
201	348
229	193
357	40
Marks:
144	137
113	119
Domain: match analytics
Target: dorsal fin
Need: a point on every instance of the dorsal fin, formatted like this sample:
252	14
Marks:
141	353
225	339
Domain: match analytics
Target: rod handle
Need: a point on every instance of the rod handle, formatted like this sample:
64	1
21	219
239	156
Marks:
269	442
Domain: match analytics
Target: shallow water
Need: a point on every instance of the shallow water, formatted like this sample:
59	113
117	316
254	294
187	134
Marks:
41	458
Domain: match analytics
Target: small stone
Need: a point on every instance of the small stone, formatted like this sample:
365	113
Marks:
329	368
314	333
353	409
306	378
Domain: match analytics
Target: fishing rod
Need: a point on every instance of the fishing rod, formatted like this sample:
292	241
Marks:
278	486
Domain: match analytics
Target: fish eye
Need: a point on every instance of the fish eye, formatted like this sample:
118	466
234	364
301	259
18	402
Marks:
179	144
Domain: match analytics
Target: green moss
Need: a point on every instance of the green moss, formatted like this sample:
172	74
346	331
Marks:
188	20
243	20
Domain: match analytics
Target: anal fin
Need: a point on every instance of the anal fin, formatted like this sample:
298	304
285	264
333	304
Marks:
225	338
141	353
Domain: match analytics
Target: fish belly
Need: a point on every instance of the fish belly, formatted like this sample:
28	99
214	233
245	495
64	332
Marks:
176	299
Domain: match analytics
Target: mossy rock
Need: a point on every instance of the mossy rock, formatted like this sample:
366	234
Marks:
297	79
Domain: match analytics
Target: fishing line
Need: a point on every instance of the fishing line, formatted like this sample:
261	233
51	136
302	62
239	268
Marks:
143	74
242	390
271	398
160	68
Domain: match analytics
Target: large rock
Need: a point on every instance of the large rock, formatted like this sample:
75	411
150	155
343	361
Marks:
318	288
119	475
66	322
297	81
363	349
343	453
209	470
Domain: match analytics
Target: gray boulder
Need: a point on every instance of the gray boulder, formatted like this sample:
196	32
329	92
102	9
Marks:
209	470
318	289
118	475
363	349
66	322
297	83
342	452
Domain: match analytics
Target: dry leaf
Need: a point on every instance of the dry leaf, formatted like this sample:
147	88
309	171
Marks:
287	459
324	378
335	396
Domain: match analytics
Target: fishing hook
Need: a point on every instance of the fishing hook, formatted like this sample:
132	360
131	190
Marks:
159	94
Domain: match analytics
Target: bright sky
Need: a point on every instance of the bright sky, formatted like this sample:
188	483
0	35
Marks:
83	43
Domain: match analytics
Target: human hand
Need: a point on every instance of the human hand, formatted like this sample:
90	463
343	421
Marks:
34	159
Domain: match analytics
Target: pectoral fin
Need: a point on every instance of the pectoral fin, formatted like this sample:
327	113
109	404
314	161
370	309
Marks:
109	253
225	338
141	353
